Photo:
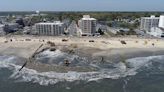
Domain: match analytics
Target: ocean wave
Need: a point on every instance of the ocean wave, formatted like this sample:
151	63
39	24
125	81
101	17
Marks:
46	78
57	57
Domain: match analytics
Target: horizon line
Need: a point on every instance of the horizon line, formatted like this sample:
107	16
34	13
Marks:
73	11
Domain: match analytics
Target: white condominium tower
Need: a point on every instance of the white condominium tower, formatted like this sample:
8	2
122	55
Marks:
52	29
87	25
161	21
148	22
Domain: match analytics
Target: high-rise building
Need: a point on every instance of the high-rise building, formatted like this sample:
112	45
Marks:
52	29
161	21
87	25
154	26
148	22
2	29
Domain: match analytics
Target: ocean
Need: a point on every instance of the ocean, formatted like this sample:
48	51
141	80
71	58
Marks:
140	74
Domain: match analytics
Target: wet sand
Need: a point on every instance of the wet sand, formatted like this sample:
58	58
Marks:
109	56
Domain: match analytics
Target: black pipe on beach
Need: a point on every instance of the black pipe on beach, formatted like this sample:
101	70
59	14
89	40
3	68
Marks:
38	48
102	59
33	55
23	66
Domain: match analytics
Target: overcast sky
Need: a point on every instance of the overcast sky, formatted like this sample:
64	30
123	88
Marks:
82	5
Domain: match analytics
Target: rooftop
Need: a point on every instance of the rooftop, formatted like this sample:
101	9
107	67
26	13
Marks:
50	23
88	19
151	17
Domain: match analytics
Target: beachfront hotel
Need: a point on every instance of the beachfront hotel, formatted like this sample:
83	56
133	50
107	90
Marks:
148	22
158	31
87	25
161	21
51	29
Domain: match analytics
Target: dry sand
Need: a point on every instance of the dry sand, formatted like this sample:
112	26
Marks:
20	47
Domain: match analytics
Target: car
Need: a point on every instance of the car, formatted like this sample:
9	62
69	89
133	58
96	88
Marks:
28	39
91	41
64	40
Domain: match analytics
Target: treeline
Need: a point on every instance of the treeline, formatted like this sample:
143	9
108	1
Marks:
10	13
109	18
102	16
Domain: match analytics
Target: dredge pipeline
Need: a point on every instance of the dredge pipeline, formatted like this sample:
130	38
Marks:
30	58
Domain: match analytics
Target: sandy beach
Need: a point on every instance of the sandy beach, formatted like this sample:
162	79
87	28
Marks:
23	47
82	52
111	49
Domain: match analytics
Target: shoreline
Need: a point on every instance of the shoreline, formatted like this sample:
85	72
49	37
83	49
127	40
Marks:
108	59
112	50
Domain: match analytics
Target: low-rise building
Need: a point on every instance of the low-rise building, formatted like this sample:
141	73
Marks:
3	19
52	29
2	29
11	27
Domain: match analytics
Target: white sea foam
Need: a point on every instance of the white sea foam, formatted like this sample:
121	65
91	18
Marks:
49	53
56	56
46	78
